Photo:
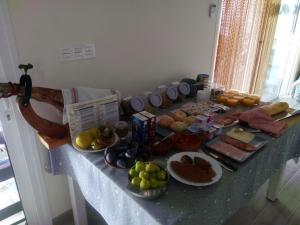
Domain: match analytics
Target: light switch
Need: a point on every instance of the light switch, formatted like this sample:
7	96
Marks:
89	51
76	52
66	54
212	10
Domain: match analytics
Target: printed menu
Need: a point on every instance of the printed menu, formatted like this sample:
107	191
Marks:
92	113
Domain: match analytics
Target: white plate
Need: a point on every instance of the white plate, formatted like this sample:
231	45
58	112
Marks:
91	150
215	166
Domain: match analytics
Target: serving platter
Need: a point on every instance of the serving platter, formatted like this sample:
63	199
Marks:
240	156
215	166
76	147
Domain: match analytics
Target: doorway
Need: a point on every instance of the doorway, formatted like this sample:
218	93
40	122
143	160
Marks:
284	57
11	208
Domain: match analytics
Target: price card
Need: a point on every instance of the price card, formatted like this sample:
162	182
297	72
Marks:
92	113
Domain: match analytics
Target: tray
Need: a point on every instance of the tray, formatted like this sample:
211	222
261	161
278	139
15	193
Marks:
240	156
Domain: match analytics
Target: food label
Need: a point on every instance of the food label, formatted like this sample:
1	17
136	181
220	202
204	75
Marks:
139	128
88	114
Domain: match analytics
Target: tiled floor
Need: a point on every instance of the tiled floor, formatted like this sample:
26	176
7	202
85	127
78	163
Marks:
284	211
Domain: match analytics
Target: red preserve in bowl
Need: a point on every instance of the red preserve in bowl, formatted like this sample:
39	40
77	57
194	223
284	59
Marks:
162	148
187	141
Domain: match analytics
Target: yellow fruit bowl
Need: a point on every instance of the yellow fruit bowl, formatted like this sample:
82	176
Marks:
83	142
150	192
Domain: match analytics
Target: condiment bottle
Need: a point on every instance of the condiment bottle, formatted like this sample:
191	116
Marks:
202	80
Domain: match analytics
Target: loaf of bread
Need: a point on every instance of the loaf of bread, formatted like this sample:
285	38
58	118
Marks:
165	121
275	108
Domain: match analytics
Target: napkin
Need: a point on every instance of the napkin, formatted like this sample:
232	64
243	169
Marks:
257	118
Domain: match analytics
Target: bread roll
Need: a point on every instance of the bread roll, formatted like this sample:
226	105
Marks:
178	126
189	120
275	108
165	121
178	115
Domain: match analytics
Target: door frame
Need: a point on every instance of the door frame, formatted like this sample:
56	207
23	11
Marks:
20	138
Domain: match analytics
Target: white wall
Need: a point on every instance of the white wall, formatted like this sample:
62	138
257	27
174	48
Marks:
139	44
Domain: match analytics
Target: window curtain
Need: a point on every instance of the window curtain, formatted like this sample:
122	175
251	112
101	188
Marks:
268	28
244	33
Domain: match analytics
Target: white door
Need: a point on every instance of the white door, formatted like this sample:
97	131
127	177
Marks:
20	139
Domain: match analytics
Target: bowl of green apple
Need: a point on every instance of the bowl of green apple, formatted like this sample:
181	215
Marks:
147	180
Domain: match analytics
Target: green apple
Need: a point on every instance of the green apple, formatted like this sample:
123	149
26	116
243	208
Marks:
154	183
161	175
152	175
151	167
133	173
144	175
161	183
139	166
136	181
145	184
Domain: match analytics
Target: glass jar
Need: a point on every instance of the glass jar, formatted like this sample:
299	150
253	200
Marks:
162	89
155	99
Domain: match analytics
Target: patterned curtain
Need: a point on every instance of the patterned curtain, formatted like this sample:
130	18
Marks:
242	35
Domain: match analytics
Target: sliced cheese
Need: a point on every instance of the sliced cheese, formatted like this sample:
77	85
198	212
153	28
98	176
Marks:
241	135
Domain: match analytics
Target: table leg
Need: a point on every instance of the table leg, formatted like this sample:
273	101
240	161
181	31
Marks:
78	203
274	183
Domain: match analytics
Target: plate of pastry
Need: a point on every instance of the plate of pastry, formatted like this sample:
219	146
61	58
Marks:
194	168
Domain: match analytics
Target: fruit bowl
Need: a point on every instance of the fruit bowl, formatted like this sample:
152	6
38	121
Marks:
149	193
115	140
187	141
124	155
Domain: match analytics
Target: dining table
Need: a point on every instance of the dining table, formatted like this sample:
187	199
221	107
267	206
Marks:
105	187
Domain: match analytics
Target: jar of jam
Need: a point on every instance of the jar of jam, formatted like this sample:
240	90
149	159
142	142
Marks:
166	102
121	129
137	104
146	96
131	105
184	89
172	93
155	99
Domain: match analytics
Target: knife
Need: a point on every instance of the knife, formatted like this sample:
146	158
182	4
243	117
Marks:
165	138
296	112
225	164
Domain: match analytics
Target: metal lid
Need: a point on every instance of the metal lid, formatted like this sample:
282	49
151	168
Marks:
175	83
172	93
184	88
137	104
155	99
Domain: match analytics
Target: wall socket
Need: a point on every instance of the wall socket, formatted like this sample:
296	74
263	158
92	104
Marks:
76	52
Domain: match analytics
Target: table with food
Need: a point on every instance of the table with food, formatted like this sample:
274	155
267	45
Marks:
188	152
